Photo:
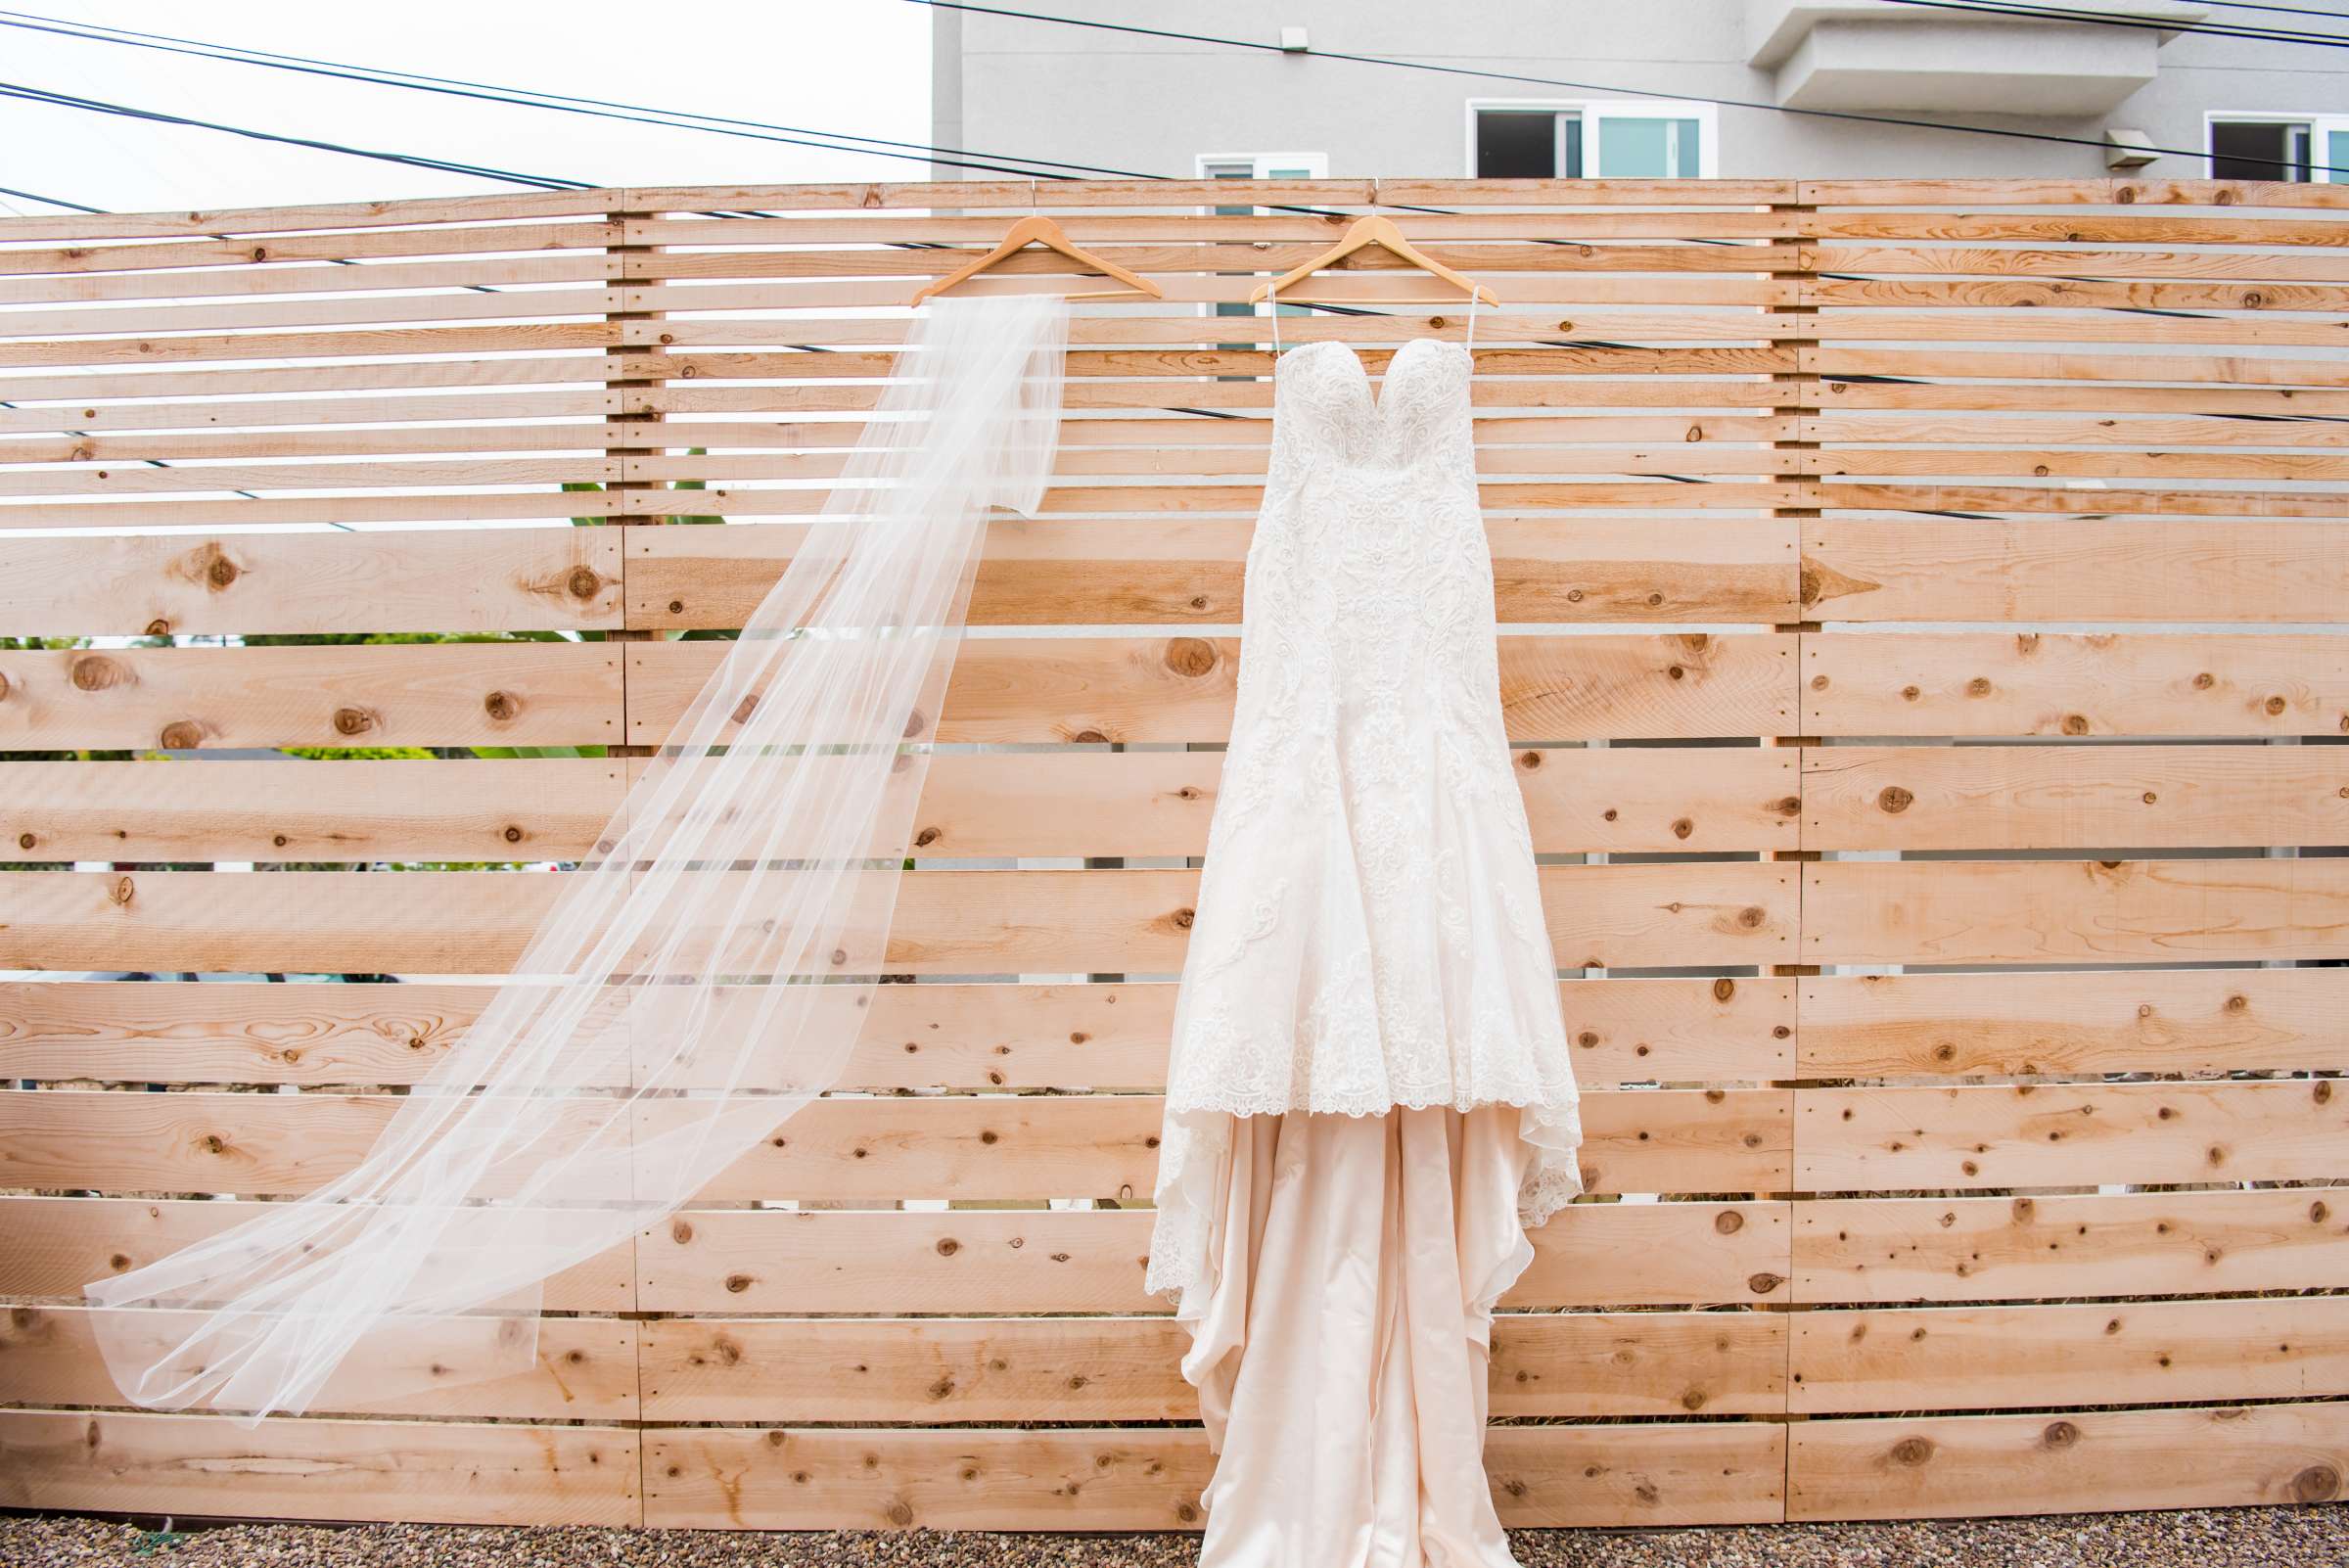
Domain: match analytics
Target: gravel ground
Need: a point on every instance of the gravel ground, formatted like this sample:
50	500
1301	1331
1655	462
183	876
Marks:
2208	1538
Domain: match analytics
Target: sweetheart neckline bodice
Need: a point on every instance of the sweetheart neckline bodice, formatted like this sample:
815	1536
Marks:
1354	354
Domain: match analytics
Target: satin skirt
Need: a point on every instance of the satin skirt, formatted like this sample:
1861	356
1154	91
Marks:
1341	1354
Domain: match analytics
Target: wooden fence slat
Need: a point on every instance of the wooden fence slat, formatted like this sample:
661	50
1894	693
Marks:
1715	1472
966	923
2084	1352
1087	690
2068	1134
473	694
1100	574
942	1371
836	1149
2249	571
1895	1250
456	1472
1952	1465
57	1245
2073	912
586	1368
2074	1022
982	1036
2056	797
2073	686
736	1261
487	581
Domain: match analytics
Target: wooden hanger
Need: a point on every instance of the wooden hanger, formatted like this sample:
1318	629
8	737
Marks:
1044	232
1381	232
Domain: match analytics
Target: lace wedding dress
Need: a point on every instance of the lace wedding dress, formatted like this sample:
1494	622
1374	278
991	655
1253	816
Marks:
1369	1096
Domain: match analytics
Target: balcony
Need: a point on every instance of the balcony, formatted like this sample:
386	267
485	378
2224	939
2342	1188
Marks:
1867	54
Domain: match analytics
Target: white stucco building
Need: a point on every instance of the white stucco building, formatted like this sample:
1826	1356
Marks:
2116	77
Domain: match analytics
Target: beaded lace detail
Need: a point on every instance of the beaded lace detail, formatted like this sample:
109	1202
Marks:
1369	931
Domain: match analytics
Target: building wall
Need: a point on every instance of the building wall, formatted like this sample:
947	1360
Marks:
1037	91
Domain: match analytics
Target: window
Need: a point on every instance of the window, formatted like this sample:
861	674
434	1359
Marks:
1257	166
1630	139
2279	147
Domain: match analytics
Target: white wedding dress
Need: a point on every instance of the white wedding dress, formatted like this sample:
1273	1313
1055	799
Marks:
1369	1096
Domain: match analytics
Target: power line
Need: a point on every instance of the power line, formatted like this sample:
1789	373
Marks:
48	201
2099	19
43	95
1439	68
559	103
2288	10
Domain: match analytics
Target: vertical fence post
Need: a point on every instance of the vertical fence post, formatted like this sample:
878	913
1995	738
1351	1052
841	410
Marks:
1793	464
631	431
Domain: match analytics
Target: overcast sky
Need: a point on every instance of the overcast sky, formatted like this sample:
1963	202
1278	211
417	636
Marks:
861	67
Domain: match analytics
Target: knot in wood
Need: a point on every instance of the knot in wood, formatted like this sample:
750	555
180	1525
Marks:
2319	1483
1912	1450
925	838
353	722
1728	1223
121	890
500	705
97	675
1190	657
181	735
915	722
1762	1284
1724	989
584	583
1892	800
745	707
2060	1435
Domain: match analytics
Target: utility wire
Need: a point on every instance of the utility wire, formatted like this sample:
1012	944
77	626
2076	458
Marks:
560	102
1439	68
43	95
48	201
2289	11
2100	18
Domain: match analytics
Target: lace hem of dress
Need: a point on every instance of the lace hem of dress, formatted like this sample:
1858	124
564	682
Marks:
1316	1103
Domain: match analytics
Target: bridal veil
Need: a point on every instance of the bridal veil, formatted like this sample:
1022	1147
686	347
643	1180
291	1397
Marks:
701	974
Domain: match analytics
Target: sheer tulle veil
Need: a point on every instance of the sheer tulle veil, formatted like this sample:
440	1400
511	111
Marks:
699	978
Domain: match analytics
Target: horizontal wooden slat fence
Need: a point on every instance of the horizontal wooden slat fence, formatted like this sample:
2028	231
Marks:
1924	652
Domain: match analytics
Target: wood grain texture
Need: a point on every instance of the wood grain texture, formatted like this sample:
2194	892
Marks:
936	1370
587	1368
2074	685
1144	1479
454	1472
1093	690
992	924
490	580
2084	1352
2070	1134
2064	797
1956	1249
2065	1463
2073	1023
968	1036
1189	572
456	694
2074	911
735	1261
973	806
2250	571
836	1149
57	1245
